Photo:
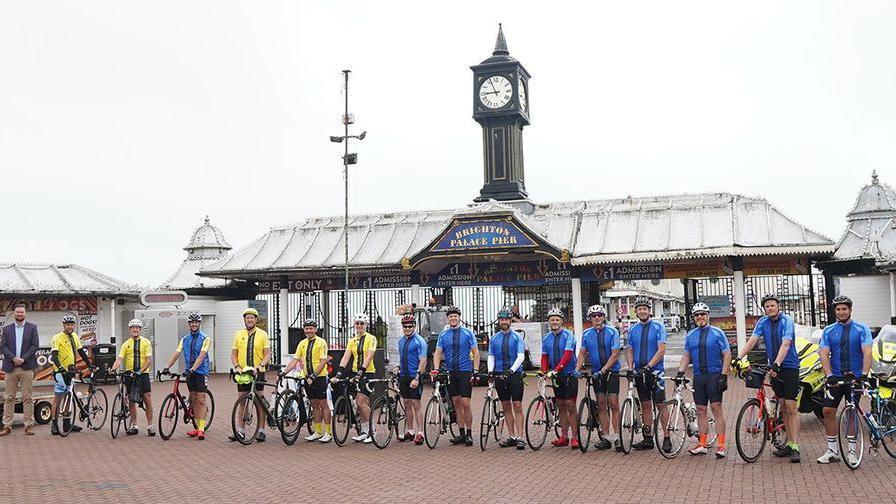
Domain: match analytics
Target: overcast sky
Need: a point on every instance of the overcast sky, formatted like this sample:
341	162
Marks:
123	124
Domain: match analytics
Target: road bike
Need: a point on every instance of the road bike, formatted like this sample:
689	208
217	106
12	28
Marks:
293	408
682	423
175	402
244	407
588	418
879	421
630	420
345	415
492	424
387	415
91	408
542	414
440	416
760	419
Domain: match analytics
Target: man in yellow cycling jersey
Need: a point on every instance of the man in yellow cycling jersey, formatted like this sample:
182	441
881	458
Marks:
359	351
65	346
251	351
311	360
136	354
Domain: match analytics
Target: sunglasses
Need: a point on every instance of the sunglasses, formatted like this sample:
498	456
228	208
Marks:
360	323
408	326
701	315
595	315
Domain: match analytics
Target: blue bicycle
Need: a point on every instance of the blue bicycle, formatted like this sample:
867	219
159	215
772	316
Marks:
880	421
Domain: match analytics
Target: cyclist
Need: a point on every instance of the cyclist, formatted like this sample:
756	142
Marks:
196	369
601	344
311	359
707	348
776	330
136	354
845	349
506	353
558	348
646	350
251	351
412	366
360	350
65	346
457	346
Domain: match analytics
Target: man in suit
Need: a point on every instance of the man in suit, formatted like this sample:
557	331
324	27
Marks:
19	345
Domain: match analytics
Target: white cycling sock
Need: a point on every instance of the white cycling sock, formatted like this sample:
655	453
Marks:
365	428
832	444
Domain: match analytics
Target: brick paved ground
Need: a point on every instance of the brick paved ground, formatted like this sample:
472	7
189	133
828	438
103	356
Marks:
92	467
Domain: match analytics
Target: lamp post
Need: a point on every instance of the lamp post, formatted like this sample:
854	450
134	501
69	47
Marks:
347	159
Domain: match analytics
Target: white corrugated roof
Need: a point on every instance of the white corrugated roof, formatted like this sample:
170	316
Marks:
657	228
60	279
871	226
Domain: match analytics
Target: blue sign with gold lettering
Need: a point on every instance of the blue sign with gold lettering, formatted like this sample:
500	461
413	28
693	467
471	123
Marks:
483	234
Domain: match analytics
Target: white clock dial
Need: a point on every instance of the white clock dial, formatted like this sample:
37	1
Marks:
522	88
495	91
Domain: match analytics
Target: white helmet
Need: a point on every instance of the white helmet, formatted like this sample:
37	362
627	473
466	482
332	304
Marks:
362	317
135	323
597	310
555	312
699	307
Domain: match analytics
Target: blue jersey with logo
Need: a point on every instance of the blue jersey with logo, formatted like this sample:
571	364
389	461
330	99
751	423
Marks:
410	351
192	347
505	347
456	345
774	333
644	340
554	345
600	345
846	341
706	346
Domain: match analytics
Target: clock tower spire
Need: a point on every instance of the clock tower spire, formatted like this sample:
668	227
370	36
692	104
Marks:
501	107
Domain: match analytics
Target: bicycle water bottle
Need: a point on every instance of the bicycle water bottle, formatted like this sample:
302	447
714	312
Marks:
264	401
692	419
771	407
871	419
79	394
452	415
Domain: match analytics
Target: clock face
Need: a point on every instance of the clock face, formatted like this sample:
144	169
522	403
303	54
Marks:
495	91
522	87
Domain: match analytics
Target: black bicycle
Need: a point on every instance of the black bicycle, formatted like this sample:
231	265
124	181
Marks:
244	407
293	409
345	410
121	411
492	424
589	414
387	415
175	402
440	416
92	410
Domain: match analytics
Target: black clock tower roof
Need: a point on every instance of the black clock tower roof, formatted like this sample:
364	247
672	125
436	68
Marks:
500	54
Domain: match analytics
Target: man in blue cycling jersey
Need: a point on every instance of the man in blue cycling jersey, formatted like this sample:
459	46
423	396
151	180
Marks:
646	349
506	353
194	346
777	331
845	351
708	349
411	369
601	344
458	352
558	348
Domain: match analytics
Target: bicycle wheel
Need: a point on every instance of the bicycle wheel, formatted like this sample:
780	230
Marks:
341	421
65	415
432	422
586	421
538	419
676	429
288	419
119	413
485	425
245	406
711	434
555	418
381	422
209	410
168	414
887	421
850	437
627	425
751	436
97	409
401	417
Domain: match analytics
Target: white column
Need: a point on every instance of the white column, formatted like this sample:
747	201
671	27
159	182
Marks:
893	294
415	296
113	339
284	322
577	312
740	308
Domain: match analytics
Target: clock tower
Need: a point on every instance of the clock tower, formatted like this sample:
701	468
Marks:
501	107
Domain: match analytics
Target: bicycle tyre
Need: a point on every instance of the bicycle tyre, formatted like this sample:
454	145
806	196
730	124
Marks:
748	427
118	417
887	421
381	424
676	427
586	421
249	414
853	421
288	419
555	416
209	411
538	420
485	425
627	425
432	422
168	416
401	417
340	421
65	414
97	408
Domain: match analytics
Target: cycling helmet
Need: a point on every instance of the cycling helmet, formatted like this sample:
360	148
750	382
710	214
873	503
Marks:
642	301
505	313
555	312
841	299
135	323
699	307
597	310
362	317
769	297
250	311
194	317
408	321
69	319
309	323
453	309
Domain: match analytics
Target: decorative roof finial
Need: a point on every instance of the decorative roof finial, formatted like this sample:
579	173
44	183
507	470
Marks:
874	177
501	44
206	220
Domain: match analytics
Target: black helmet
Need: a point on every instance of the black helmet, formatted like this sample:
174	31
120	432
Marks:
452	309
309	323
194	317
769	297
841	299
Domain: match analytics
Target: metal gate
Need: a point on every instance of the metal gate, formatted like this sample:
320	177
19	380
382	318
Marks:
802	296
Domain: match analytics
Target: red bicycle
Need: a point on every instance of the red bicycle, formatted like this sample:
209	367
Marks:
760	419
175	401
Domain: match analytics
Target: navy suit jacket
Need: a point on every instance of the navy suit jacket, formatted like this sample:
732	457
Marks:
30	345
